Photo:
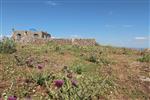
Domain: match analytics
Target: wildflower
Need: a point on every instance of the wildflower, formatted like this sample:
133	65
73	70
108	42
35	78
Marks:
74	83
58	83
12	98
40	66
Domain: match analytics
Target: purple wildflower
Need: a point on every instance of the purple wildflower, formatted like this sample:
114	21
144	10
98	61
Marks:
58	83
12	98
74	83
40	66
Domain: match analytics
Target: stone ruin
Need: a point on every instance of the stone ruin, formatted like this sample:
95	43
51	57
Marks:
30	36
40	37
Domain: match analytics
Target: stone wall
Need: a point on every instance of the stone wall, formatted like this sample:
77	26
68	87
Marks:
62	41
81	42
84	42
44	37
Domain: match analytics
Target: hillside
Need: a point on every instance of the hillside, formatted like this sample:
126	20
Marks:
66	72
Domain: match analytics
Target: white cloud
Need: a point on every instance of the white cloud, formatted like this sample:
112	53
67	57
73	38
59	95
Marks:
141	41
141	38
51	3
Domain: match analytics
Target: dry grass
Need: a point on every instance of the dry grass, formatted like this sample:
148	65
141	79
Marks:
114	73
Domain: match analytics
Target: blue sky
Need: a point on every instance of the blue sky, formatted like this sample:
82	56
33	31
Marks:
111	22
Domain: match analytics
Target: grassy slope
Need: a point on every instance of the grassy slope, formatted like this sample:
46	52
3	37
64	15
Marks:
118	66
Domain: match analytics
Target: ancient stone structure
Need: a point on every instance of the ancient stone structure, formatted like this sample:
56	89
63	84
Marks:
62	41
29	36
80	42
43	37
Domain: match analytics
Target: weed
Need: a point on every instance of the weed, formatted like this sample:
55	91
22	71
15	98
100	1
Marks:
104	61
40	80
7	46
78	69
145	58
82	80
93	59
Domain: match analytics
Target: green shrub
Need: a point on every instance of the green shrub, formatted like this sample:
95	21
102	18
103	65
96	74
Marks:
51	43
104	61
78	69
7	46
99	60
93	59
58	48
40	78
145	58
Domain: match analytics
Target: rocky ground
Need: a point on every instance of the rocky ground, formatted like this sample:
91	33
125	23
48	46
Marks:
82	72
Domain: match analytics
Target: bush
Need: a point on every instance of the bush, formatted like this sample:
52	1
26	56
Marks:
145	58
7	46
93	59
104	61
78	69
99	60
58	48
41	78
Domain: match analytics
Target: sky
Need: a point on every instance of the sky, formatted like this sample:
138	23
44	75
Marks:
123	23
